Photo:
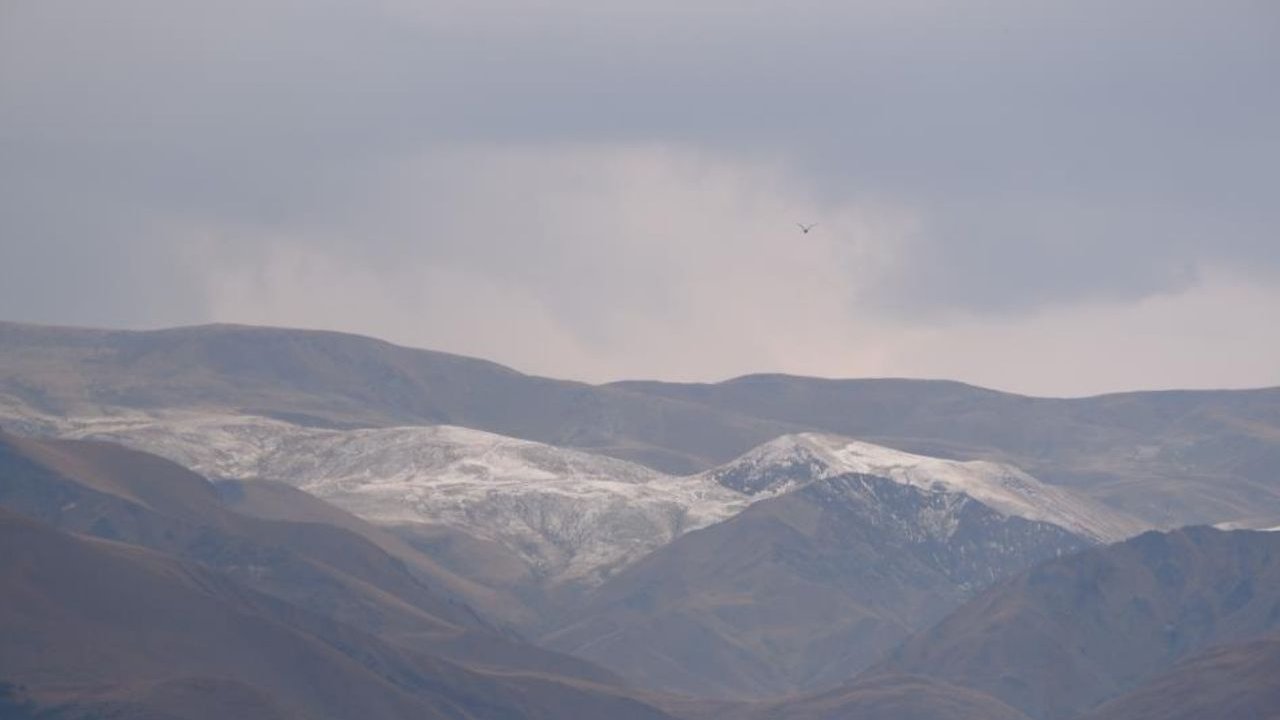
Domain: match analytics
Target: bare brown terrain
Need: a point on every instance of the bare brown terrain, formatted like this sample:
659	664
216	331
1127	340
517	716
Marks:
1235	681
112	628
1067	635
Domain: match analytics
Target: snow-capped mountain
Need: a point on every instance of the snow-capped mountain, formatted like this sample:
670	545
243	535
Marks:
848	549
795	461
571	516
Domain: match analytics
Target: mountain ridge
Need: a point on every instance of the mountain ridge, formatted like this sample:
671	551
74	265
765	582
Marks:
572	518
1168	457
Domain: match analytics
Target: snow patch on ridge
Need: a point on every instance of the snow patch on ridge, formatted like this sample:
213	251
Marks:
793	461
571	516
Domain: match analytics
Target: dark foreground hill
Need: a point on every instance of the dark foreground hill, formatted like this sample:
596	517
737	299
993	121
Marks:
106	629
1241	682
1060	639
186	605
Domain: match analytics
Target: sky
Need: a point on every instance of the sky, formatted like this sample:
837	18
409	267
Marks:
1053	198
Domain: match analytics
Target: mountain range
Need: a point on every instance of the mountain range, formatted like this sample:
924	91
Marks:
456	538
1171	458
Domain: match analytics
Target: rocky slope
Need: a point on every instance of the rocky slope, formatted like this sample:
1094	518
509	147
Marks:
1059	639
802	590
796	460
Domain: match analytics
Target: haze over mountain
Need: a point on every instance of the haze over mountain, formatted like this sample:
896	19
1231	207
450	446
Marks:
1047	197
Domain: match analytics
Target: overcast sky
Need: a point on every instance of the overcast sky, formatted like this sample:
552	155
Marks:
1055	198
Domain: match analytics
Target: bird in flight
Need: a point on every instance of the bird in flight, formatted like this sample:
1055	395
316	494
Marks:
806	228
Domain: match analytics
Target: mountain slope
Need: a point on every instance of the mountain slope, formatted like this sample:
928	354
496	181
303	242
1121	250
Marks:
1059	639
115	629
120	494
566	517
893	698
1236	681
802	590
323	564
794	460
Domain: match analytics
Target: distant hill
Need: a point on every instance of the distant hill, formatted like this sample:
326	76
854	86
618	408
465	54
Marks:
328	379
1171	457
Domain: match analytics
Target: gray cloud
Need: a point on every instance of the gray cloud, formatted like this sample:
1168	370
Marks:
569	186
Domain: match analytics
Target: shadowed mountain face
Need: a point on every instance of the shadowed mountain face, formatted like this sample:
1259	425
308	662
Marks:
1241	682
103	629
803	590
1168	457
1067	635
893	698
119	494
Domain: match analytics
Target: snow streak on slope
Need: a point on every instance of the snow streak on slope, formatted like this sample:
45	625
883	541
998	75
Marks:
793	461
571	516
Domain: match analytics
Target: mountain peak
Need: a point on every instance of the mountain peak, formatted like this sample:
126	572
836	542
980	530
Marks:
793	461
